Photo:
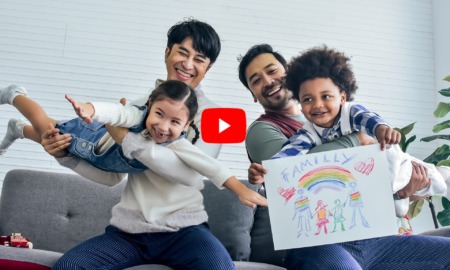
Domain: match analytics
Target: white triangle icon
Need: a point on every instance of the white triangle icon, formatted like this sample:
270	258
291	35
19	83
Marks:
223	125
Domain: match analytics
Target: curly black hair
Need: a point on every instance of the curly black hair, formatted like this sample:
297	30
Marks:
321	62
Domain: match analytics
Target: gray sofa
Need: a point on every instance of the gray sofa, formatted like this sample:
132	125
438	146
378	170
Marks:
57	211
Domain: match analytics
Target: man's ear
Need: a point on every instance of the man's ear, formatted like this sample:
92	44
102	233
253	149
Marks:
166	53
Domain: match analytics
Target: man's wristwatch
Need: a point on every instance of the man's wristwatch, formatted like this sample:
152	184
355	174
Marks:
396	197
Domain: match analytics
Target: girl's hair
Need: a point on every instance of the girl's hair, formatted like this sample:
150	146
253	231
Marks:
178	91
321	62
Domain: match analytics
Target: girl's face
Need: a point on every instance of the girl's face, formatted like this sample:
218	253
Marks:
166	120
321	100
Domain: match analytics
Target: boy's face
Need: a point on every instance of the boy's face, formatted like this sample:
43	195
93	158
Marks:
184	63
264	75
321	101
166	120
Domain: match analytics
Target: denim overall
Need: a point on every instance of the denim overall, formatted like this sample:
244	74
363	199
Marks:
85	138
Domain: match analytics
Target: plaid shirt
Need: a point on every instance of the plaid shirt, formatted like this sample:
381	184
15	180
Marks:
352	118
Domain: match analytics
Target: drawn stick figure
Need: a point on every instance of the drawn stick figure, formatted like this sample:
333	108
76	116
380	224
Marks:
321	212
303	213
338	214
356	204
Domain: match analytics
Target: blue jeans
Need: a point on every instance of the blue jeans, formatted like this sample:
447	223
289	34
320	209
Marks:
85	138
416	252
193	247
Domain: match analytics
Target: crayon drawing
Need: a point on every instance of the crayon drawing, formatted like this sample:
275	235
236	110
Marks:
330	197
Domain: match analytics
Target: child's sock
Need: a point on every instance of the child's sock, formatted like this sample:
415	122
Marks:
445	172
14	132
8	94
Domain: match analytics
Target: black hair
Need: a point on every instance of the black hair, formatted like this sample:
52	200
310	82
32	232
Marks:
253	52
321	62
178	91
204	38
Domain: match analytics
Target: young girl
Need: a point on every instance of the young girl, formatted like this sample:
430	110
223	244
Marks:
322	80
156	212
168	112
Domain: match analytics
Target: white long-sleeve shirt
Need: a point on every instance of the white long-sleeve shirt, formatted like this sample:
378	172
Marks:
167	197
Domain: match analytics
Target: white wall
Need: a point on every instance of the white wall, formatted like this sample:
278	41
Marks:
107	49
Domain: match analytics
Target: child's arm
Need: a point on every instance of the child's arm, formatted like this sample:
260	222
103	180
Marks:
84	110
371	123
114	114
299	144
387	135
246	196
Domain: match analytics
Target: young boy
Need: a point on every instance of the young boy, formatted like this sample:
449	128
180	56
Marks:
323	82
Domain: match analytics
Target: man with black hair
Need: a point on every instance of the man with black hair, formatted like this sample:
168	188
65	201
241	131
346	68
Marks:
176	220
262	71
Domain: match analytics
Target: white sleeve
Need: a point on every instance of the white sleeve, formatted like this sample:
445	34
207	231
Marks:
159	159
116	114
87	170
201	162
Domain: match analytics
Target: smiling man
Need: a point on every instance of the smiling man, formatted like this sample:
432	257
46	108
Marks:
261	70
178	219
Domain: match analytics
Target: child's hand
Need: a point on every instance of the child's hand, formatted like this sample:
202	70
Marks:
251	198
246	196
387	135
84	110
256	174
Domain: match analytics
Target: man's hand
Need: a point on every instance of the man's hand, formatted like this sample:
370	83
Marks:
256	174
54	143
419	180
387	135
84	110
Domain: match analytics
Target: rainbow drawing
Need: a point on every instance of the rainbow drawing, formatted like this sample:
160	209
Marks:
331	177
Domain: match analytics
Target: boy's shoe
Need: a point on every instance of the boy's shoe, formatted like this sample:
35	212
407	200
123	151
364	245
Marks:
14	132
8	94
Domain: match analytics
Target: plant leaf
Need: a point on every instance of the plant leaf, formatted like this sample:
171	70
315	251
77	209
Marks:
445	162
442	152
441	126
442	109
435	137
410	140
444	217
406	130
445	203
447	78
415	208
445	92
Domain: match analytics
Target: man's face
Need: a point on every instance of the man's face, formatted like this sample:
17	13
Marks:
264	75
184	63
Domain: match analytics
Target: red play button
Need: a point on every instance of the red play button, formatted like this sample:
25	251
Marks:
223	125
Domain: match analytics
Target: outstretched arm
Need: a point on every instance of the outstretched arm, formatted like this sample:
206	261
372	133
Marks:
246	196
84	110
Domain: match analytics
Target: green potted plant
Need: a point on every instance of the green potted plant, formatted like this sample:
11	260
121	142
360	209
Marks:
439	157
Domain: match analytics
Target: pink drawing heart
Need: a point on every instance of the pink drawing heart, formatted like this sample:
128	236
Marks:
365	167
286	193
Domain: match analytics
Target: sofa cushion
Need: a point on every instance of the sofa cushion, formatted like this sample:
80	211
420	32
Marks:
55	211
230	222
24	258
